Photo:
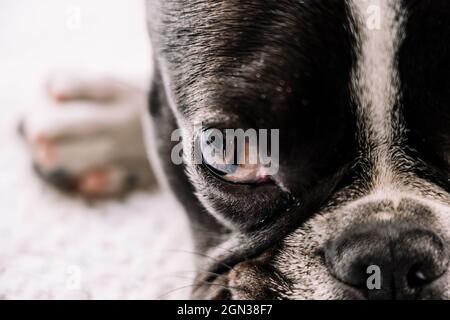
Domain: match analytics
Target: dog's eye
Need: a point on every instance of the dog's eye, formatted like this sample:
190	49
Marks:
232	161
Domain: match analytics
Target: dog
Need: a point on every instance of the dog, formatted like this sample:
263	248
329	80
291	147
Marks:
363	118
358	90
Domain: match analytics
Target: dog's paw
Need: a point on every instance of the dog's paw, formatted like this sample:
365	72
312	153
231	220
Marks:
87	137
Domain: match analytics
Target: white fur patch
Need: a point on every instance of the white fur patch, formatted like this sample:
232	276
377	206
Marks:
375	80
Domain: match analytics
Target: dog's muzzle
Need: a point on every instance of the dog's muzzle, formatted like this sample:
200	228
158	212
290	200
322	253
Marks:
411	261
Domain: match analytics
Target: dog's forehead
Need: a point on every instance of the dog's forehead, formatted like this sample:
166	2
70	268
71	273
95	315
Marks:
238	48
234	58
241	56
307	65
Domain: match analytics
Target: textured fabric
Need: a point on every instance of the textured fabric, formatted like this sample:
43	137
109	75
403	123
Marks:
51	246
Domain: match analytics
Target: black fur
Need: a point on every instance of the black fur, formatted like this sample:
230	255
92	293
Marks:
425	79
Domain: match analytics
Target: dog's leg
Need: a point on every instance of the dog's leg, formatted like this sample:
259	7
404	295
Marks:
87	138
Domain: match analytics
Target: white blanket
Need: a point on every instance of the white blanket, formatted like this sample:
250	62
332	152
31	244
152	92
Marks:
51	246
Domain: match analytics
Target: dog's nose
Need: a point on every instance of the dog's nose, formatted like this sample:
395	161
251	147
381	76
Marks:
386	261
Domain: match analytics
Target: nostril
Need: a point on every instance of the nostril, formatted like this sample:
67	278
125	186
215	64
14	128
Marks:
417	277
426	255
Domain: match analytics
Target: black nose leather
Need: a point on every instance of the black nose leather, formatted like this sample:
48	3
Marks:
410	261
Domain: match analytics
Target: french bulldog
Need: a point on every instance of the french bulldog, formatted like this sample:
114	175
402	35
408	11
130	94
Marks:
359	91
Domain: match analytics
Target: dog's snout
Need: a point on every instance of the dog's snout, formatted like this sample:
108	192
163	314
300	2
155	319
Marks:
387	261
